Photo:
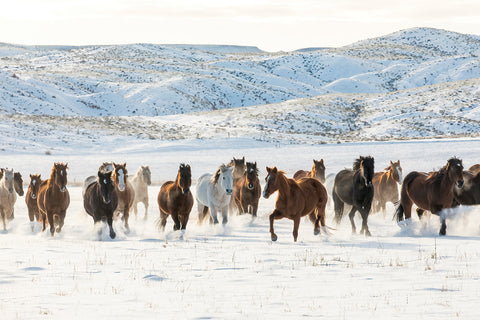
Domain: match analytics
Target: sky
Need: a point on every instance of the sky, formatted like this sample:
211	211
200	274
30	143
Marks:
271	25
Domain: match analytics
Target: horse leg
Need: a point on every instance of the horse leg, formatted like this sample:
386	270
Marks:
296	224
351	215
315	219
254	210
135	209
274	216
110	227
420	213
184	221
364	229
443	228
3	220
176	221
213	213
145	204
51	222
225	215
61	221
126	214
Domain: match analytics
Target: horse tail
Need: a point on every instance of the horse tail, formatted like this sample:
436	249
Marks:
399	211
338	206
398	216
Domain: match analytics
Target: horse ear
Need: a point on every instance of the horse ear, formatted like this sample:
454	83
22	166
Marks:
243	159
391	163
99	173
124	164
31	176
268	169
274	170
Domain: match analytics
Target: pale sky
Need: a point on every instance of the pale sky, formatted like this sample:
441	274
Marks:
271	25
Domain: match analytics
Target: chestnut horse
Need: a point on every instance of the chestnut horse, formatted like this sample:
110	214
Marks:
175	199
295	200
31	201
385	186
355	187
430	191
124	190
100	199
238	171
247	191
317	172
53	198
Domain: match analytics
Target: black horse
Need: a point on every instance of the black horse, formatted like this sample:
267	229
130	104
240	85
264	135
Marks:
354	187
100	199
469	194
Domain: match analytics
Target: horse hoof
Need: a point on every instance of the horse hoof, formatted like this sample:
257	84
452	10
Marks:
58	230
112	235
274	237
316	232
368	234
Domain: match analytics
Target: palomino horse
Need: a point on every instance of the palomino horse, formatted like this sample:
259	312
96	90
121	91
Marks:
31	201
295	200
53	198
238	171
247	191
385	186
355	187
175	199
214	192
469	194
430	191
7	196
317	172
140	182
100	199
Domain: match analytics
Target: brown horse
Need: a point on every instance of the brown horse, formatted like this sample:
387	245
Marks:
295	200
175	199
238	170
430	191
31	201
385	186
317	172
124	190
474	168
53	198
247	191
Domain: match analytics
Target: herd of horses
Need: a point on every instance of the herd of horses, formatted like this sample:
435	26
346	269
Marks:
236	187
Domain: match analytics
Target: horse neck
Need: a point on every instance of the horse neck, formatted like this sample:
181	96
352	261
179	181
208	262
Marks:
51	180
177	181
283	185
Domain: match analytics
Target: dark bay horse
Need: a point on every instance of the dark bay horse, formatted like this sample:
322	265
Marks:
247	191
430	191
317	172
295	200
31	201
53	198
100	199
175	199
355	187
385	185
469	194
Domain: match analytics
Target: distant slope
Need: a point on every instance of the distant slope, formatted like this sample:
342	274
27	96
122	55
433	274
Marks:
155	80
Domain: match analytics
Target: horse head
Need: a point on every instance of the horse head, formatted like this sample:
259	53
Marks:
120	175
60	175
106	185
7	179
318	170
238	167
224	174
18	183
184	178
146	174
454	168
271	182
35	181
366	167
252	175
396	171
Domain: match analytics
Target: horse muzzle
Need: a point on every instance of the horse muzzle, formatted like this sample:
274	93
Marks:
265	195
185	190
460	184
121	188
369	184
63	189
107	201
228	192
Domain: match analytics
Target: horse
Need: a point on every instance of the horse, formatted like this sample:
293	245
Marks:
214	192
140	182
175	199
385	186
355	187
17	184
53	198
31	201
238	171
317	172
247	191
469	194
295	200
100	199
432	191
7	196
123	187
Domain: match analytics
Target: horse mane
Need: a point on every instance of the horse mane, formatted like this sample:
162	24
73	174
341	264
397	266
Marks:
437	176
253	165
220	169
358	162
52	177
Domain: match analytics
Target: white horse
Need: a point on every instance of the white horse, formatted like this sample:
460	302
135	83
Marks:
214	193
7	195
140	183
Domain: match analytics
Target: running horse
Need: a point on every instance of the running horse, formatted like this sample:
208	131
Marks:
295	200
385	186
31	201
355	188
140	182
175	199
7	196
247	191
317	172
430	191
238	166
53	198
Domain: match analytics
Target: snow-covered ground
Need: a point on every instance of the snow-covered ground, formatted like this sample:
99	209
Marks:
236	271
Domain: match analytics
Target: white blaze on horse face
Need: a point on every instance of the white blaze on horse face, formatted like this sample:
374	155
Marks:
399	175
227	180
33	182
121	180
265	195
